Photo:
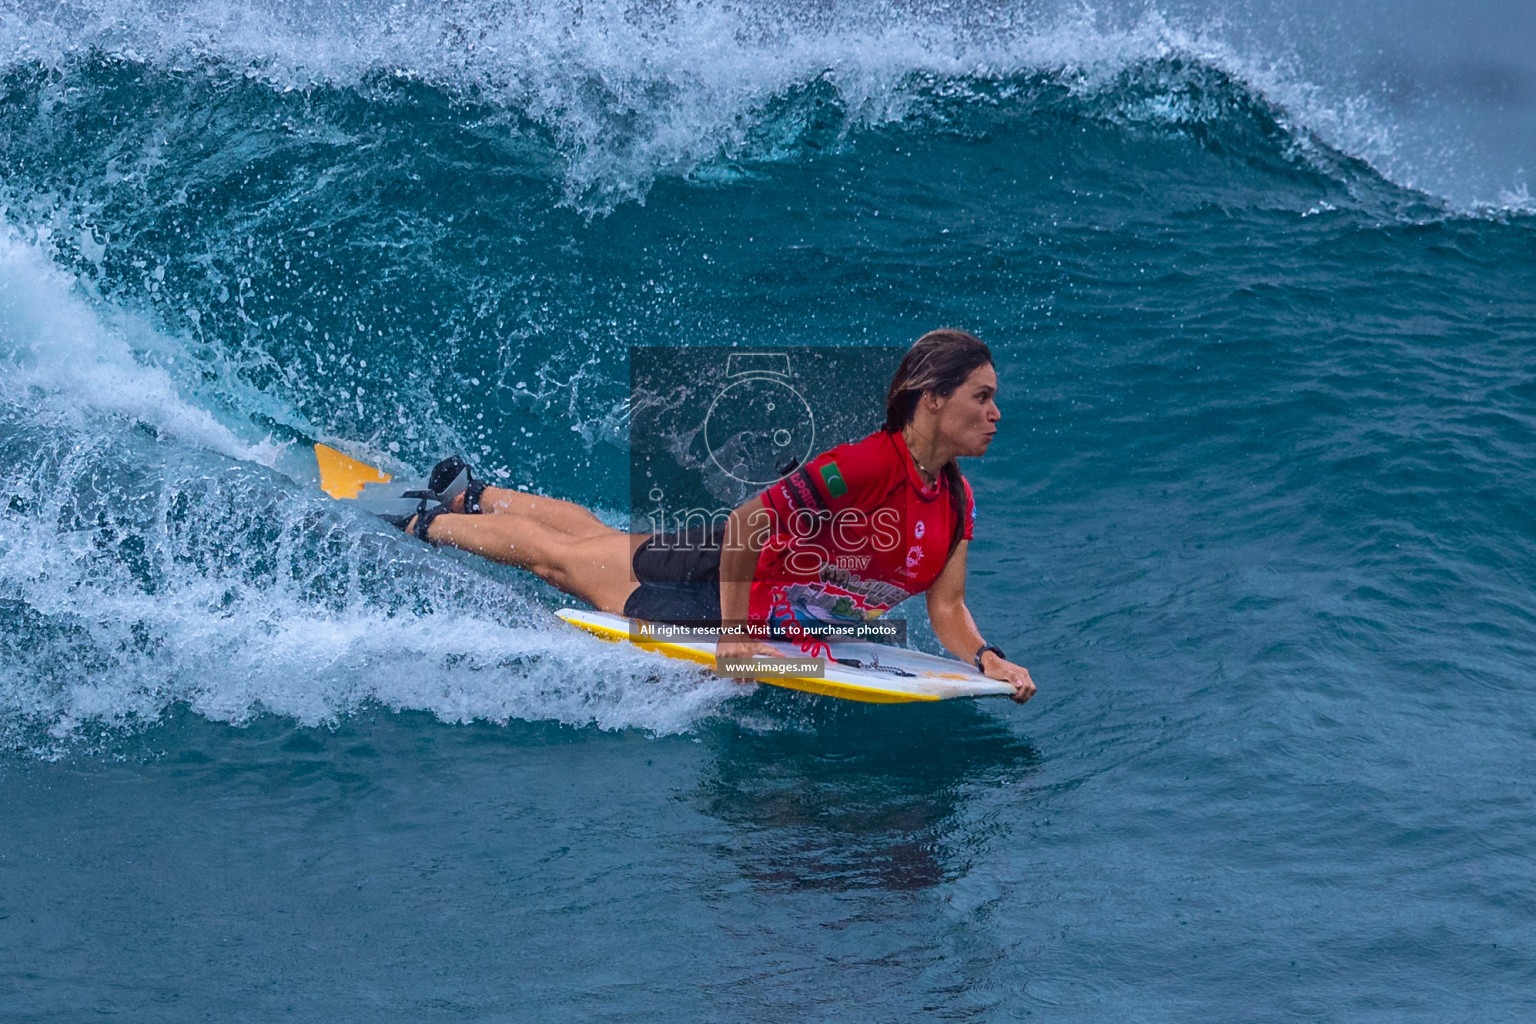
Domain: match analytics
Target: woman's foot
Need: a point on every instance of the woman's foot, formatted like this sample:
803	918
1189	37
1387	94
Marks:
453	489
452	484
419	522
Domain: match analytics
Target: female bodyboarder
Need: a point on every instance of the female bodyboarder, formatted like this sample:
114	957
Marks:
844	537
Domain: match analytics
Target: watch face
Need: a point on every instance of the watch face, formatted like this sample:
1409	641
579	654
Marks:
758	430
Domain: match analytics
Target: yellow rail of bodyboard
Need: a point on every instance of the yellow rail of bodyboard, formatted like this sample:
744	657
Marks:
825	687
342	476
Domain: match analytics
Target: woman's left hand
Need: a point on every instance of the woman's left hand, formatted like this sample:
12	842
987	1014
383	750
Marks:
1016	676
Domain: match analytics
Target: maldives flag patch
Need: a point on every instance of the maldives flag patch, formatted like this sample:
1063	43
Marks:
833	478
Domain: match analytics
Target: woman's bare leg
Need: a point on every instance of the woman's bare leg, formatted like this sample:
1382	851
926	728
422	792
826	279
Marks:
593	564
563	516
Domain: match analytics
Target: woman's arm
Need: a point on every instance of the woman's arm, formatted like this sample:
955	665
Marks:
956	630
745	534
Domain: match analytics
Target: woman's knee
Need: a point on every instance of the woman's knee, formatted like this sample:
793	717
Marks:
592	569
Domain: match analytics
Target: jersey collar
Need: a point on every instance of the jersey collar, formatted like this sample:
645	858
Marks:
924	491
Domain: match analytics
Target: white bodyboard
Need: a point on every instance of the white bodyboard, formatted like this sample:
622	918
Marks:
855	670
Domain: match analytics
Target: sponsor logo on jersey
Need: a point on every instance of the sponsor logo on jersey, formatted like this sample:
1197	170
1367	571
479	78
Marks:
833	478
914	555
920	529
800	492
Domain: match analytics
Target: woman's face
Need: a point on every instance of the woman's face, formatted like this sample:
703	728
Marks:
967	419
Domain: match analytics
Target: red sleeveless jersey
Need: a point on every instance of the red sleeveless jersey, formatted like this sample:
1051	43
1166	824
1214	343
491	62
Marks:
855	532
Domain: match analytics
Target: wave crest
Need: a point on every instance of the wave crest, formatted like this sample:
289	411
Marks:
627	92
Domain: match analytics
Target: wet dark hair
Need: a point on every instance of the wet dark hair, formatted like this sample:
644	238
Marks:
939	361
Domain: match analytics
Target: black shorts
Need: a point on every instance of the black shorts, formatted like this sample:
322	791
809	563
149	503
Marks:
679	576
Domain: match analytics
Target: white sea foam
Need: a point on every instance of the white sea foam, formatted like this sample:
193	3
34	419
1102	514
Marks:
281	656
142	569
69	359
214	620
636	90
316	670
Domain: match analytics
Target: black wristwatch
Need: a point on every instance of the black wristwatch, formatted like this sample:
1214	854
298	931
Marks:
989	647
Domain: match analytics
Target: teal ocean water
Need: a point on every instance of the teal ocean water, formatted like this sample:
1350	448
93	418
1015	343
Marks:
1259	520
